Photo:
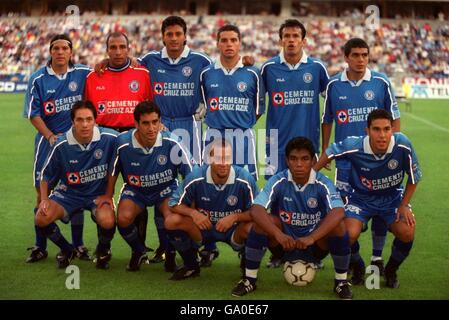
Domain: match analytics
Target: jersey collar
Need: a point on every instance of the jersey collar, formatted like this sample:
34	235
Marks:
71	140
137	145
184	54
298	187
127	64
366	77
231	178
291	66
367	148
218	65
51	72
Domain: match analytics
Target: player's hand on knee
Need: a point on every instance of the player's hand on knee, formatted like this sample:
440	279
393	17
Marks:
225	223
43	207
202	221
304	242
405	213
103	200
287	242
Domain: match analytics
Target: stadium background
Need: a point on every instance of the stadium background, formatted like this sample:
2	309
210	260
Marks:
411	46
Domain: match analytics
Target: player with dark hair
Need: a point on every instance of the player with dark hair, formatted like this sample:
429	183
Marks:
149	161
211	204
293	81
79	162
52	90
350	96
379	162
306	220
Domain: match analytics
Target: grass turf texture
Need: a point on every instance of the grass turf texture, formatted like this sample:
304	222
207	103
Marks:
423	276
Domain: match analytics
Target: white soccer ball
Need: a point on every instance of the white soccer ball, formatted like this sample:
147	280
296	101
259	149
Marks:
299	273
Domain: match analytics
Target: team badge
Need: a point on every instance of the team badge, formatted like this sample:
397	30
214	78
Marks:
312	203
307	77
98	154
134	86
49	108
73	86
285	216
186	71
73	177
162	159
241	86
278	98
392	164
213	104
369	95
158	88
101	107
342	116
232	200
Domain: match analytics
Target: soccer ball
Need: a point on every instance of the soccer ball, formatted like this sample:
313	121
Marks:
299	273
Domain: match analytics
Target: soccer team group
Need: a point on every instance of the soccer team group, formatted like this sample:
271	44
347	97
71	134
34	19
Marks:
142	119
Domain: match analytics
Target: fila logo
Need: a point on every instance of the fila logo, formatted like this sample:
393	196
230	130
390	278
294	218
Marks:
280	80
73	161
288	199
214	85
100	88
135	164
51	91
161	70
342	97
205	199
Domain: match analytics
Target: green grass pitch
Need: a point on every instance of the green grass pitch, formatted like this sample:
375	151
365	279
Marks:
424	275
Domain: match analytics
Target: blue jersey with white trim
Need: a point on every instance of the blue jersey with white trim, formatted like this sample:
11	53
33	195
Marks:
350	103
151	170
300	208
176	86
294	104
378	175
51	96
82	170
233	99
216	201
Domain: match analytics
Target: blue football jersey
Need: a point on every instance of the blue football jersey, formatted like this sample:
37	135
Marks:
293	93
233	98
81	169
216	201
300	208
151	170
349	103
52	96
176	84
378	175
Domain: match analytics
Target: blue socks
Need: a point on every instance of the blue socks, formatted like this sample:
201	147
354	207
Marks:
341	255
379	234
256	245
105	237
77	224
53	233
131	236
41	239
186	247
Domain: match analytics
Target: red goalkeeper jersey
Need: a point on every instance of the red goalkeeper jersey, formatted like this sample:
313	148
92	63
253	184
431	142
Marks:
116	93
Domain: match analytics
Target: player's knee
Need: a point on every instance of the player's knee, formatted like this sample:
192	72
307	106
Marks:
339	230
124	220
42	221
107	222
407	234
172	222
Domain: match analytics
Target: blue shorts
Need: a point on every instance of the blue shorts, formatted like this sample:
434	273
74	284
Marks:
243	146
360	209
144	200
213	235
42	149
73	203
190	132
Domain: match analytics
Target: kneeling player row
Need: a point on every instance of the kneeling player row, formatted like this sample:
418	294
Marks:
299	211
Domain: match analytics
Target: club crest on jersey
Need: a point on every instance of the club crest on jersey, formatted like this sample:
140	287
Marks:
307	77
158	88
285	216
49	108
134	180
186	71
101	107
134	86
73	86
392	164
342	116
232	200
98	154
241	86
312	203
369	95
73	178
213	104
278	98
162	159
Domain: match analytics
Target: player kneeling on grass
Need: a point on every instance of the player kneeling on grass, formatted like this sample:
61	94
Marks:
211	205
306	220
379	162
149	160
79	160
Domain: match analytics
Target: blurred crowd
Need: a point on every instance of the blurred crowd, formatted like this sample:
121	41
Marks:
416	49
